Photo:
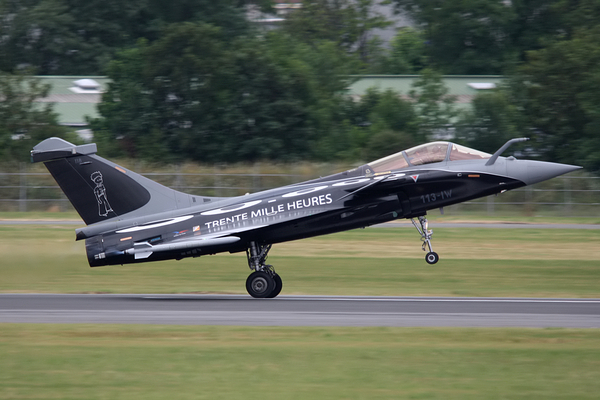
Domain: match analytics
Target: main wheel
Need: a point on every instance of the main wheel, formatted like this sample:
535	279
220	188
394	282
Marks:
432	258
278	287
260	284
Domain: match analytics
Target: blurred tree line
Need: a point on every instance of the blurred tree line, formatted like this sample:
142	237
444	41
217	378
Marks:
196	80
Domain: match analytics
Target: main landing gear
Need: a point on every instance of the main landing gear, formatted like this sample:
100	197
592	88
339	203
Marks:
431	257
264	282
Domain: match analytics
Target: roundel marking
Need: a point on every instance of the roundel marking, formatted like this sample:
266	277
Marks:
304	191
235	207
352	181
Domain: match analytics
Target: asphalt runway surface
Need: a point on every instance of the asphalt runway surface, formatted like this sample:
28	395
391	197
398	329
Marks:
242	310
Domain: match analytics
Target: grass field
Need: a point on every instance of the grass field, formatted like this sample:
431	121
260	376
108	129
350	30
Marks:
174	362
374	261
87	361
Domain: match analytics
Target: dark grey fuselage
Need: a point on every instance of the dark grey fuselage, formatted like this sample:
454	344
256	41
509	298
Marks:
132	219
323	206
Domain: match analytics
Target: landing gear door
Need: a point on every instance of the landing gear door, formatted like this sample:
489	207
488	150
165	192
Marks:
405	204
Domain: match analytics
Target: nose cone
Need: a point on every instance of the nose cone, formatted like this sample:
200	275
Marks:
531	172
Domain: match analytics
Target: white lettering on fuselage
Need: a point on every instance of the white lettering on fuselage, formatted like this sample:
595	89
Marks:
289	206
227	220
310	202
270	211
263	213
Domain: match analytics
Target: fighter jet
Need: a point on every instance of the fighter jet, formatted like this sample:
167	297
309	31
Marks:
132	219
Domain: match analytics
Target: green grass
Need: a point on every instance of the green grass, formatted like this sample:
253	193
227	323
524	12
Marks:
175	362
103	361
41	215
375	261
515	216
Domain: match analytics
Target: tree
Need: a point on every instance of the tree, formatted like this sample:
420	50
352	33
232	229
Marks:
464	36
492	120
394	126
23	122
433	106
573	16
537	23
559	94
206	97
408	53
376	125
347	23
36	34
491	36
63	37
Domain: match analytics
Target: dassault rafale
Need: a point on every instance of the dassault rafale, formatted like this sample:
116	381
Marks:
132	219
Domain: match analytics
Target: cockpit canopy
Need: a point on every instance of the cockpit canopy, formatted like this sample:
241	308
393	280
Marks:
427	154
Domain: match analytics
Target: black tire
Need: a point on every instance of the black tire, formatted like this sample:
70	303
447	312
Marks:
432	257
278	286
260	284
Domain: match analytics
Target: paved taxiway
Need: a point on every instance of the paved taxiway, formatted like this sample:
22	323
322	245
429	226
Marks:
299	310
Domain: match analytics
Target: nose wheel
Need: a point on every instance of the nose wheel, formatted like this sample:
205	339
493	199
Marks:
422	227
432	257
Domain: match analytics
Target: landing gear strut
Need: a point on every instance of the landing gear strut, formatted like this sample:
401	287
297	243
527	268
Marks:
422	226
264	282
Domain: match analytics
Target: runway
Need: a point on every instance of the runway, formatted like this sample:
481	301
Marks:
243	310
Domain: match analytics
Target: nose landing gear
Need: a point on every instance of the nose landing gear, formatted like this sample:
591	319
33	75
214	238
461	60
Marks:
422	227
264	282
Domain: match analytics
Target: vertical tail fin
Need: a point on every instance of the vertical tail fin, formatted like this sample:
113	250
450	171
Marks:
101	190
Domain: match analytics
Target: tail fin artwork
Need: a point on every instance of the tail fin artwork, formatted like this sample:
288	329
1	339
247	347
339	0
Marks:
101	190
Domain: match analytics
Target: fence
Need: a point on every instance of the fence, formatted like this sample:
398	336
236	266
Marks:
574	195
